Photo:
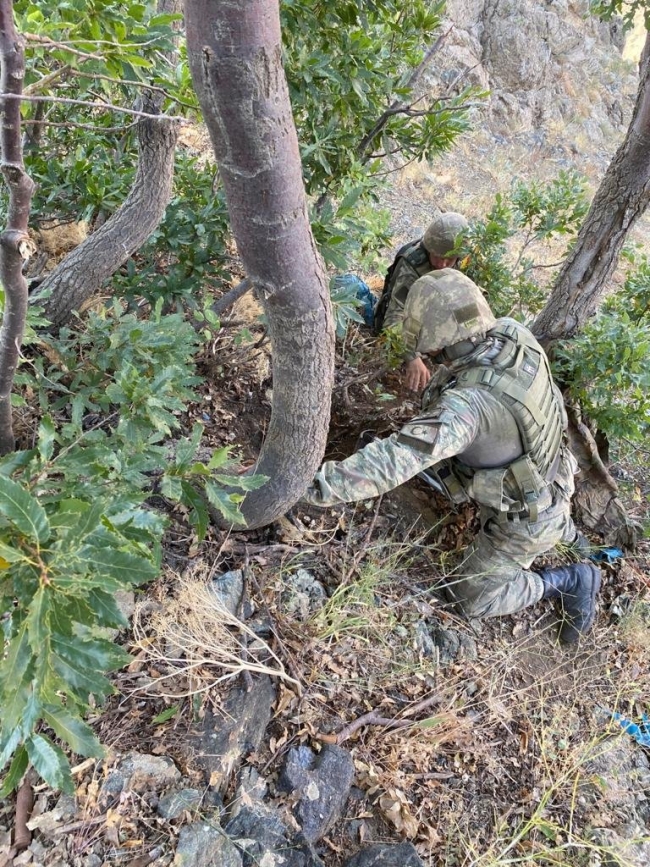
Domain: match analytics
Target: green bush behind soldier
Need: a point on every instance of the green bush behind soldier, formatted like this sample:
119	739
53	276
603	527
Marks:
492	428
435	250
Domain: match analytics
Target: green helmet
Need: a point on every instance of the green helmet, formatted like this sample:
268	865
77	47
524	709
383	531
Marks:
442	235
442	309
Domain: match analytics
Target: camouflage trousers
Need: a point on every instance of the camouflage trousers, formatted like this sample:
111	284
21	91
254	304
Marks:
494	577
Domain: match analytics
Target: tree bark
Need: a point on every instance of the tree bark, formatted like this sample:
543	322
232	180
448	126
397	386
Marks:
88	266
15	244
621	199
235	56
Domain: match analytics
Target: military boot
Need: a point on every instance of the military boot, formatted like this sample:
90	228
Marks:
575	587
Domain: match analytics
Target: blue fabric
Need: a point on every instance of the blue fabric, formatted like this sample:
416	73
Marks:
361	291
640	733
606	555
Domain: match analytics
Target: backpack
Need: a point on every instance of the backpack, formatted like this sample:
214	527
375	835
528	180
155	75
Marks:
416	256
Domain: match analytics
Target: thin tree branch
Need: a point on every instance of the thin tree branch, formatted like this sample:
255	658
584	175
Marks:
101	106
374	718
232	295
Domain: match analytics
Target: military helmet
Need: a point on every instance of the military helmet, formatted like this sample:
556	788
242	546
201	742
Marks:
441	236
442	309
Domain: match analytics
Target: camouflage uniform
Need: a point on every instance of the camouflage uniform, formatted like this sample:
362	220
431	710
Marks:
478	446
413	261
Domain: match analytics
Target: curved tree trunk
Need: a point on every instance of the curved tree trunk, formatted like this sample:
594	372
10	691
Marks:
88	266
235	58
621	199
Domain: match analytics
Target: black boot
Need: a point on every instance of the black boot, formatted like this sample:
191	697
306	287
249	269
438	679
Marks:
575	587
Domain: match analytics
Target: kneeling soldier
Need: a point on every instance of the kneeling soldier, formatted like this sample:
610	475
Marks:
492	430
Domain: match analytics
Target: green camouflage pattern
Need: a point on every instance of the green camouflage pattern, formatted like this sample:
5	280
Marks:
494	576
444	308
443	234
403	278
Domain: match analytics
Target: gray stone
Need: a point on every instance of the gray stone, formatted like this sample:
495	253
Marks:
225	739
174	804
138	772
322	781
229	589
303	595
386	855
251	788
442	644
203	845
264	839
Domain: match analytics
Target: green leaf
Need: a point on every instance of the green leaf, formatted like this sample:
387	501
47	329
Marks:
9	743
106	609
243	482
15	773
166	714
93	655
23	510
226	503
219	457
16	661
46	434
11	555
50	762
38	619
199	516
73	730
80	681
126	568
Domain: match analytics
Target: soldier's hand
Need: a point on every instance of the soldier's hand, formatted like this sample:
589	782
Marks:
417	375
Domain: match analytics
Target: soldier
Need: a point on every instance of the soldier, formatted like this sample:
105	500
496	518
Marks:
492	429
433	251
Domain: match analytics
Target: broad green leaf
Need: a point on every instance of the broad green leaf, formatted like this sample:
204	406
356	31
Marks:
171	487
74	731
8	744
50	762
106	609
244	483
46	435
15	773
186	447
226	503
94	655
23	510
11	555
80	681
17	659
219	457
199	516
126	568
38	618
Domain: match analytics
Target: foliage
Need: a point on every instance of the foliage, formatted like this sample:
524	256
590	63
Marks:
186	255
77	521
607	9
607	366
498	250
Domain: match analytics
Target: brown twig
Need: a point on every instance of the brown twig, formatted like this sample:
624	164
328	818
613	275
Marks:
232	295
373	718
148	858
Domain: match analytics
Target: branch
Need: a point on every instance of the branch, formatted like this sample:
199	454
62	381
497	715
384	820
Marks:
373	718
397	106
101	106
231	296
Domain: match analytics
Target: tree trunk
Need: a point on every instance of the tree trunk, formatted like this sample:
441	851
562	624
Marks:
88	266
15	243
235	56
620	200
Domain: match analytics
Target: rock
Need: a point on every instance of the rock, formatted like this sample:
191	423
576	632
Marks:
201	845
229	589
386	855
303	595
138	772
322	782
442	644
224	740
173	804
251	788
265	840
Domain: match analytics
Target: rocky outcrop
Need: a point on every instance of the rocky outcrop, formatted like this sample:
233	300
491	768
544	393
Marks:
539	61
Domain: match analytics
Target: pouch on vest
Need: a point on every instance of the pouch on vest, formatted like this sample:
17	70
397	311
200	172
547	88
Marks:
452	486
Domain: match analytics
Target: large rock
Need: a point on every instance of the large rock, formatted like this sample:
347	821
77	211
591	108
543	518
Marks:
386	855
264	839
322	783
203	845
225	739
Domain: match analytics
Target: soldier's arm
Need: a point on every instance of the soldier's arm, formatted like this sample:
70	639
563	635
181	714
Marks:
385	464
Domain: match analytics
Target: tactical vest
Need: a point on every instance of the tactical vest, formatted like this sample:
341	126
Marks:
418	258
520	378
